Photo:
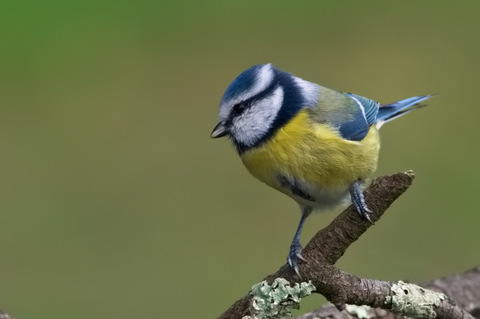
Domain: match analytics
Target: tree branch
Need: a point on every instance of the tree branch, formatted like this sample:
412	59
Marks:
464	288
342	288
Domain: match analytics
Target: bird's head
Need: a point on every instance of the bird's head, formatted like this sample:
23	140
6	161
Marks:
258	102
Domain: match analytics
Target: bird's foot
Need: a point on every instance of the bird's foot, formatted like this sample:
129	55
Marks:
294	255
358	201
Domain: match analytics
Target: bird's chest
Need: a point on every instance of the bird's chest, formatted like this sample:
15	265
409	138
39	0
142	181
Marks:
306	161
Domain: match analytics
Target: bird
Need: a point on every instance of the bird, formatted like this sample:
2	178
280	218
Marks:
317	145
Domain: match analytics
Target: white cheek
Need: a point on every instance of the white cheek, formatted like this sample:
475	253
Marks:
257	121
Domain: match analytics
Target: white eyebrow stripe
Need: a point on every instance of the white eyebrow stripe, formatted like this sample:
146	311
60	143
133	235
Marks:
263	79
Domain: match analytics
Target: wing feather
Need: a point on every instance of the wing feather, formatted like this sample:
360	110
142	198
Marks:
351	114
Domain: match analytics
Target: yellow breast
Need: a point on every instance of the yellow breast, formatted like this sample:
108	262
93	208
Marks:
316	156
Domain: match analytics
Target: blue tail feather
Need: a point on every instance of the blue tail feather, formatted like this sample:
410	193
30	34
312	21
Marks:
388	112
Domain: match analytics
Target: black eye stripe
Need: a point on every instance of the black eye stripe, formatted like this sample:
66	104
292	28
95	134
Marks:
241	107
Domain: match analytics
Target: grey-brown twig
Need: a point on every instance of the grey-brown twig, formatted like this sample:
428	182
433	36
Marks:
342	288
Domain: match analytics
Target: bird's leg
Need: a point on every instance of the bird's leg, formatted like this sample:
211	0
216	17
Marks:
358	201
296	248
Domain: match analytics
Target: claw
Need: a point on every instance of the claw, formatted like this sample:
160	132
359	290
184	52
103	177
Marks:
297	272
299	256
365	212
294	254
292	261
358	201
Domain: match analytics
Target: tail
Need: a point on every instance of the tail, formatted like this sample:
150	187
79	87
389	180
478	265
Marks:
388	112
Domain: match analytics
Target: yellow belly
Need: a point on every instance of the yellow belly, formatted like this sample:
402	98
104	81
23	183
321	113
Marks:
316	156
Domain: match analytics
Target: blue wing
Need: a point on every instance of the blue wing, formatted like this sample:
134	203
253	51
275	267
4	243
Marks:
353	115
370	112
364	115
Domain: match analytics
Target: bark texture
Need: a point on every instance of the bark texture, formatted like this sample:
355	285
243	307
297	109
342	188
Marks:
342	288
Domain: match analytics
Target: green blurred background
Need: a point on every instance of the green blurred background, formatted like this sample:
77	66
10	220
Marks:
115	202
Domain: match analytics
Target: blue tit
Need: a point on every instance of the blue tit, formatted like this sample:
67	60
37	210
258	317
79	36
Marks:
318	146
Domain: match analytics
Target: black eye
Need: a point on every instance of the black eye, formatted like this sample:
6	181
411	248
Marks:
239	108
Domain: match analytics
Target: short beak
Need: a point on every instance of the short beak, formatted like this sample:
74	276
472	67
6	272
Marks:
220	130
